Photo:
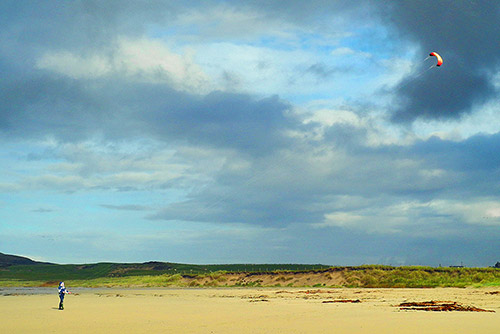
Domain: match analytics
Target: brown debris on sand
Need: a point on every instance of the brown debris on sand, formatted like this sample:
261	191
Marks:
440	306
315	291
342	301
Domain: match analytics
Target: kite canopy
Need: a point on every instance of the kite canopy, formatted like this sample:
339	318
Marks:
439	59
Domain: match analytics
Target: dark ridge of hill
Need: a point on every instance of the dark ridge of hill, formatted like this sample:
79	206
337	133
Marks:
9	260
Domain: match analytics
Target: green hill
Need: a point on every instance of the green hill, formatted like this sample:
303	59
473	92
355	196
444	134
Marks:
23	269
9	260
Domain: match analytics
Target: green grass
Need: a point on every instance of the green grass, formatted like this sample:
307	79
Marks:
421	277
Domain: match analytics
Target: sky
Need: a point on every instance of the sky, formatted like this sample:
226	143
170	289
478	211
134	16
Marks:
250	131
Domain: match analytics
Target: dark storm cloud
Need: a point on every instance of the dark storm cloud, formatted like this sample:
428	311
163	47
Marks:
41	104
467	35
227	120
72	110
299	190
442	94
477	153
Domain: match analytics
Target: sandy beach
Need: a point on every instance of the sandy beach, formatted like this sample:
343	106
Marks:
245	310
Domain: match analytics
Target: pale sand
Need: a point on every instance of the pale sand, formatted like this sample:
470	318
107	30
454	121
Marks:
249	310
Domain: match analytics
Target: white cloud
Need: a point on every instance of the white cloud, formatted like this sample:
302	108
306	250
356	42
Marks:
380	218
328	117
151	60
474	212
436	217
341	219
377	130
493	212
342	51
346	51
74	65
141	60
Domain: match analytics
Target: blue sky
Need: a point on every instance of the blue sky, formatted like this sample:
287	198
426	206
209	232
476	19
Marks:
250	132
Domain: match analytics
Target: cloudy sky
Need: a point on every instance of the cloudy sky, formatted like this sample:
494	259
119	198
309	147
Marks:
250	131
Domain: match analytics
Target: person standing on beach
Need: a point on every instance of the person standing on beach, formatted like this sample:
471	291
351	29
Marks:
62	291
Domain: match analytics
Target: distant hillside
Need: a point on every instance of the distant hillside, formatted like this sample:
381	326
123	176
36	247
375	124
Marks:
9	260
54	272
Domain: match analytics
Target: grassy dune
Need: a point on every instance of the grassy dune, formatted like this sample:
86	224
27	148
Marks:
178	275
419	277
